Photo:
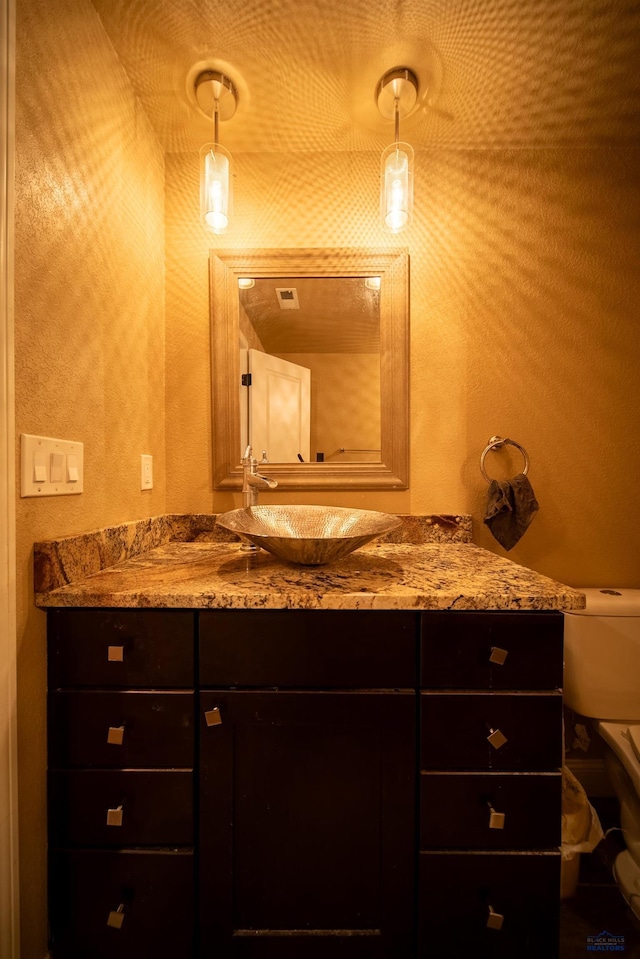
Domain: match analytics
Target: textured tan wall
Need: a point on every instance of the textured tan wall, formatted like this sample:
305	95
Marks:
345	404
89	332
524	322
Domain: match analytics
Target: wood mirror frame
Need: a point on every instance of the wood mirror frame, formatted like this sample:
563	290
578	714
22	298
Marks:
392	472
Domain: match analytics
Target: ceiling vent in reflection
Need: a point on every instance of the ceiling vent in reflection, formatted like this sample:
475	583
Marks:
287	298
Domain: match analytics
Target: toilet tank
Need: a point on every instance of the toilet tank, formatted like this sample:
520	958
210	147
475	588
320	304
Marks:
602	655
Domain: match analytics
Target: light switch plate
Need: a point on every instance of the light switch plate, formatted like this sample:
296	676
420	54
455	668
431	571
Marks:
38	454
146	471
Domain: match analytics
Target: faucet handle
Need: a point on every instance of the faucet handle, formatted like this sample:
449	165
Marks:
249	462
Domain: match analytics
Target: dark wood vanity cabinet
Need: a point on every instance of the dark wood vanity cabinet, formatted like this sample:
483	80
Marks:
307	799
490	784
121	783
302	784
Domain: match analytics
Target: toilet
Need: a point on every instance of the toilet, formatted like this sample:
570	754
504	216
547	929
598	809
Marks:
602	681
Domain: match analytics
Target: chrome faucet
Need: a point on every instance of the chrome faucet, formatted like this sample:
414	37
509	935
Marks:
252	481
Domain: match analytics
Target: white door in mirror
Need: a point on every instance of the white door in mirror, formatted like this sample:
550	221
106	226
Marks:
279	408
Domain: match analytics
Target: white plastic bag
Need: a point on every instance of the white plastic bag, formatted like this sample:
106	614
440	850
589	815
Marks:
581	829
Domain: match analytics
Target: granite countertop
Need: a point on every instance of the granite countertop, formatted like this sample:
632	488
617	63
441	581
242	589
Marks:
195	569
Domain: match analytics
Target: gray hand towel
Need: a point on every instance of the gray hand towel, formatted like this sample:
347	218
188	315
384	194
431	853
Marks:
511	505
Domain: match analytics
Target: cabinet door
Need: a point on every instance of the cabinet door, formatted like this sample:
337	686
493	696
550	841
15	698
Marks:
125	648
129	904
473	810
121	729
121	807
459	731
489	905
307	824
491	650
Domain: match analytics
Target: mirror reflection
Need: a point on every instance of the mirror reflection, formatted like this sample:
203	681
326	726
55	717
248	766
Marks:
340	319
310	368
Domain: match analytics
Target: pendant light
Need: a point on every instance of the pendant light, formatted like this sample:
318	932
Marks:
396	95
217	97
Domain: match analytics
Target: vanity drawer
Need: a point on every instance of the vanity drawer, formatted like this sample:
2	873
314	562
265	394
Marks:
455	727
114	729
128	648
157	807
350	649
456	810
462	650
457	891
155	890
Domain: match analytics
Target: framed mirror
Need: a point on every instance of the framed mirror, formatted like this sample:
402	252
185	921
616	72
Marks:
336	320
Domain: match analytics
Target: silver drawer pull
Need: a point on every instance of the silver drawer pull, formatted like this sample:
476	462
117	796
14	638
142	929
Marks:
116	917
114	816
213	717
498	655
494	919
115	654
115	735
496	819
496	738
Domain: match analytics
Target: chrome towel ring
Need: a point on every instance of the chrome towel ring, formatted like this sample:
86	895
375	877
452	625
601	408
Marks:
495	443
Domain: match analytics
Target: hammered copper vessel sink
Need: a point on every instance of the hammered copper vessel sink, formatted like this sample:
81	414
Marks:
308	535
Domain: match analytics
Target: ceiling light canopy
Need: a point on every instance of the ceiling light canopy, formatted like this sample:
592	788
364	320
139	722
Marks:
217	97
396	95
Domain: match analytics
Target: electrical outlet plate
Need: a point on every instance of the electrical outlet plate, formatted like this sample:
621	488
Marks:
50	467
146	471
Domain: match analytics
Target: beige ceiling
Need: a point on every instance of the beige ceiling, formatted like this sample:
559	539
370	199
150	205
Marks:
334	315
492	73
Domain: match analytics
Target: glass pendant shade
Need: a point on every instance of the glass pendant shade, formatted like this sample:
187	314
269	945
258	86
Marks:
215	187
217	98
396	96
396	187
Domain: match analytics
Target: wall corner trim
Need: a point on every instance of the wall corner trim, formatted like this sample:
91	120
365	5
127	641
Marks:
9	887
